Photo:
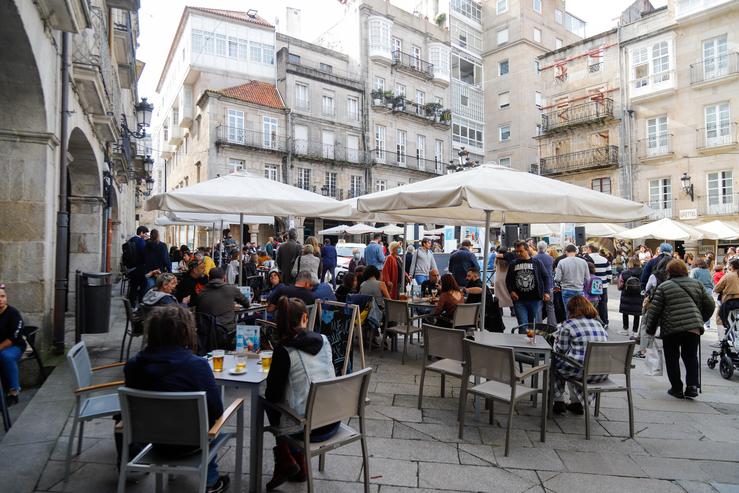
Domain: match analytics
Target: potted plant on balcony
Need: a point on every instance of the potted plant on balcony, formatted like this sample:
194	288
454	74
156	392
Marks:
433	111
389	99
399	103
377	96
446	117
441	20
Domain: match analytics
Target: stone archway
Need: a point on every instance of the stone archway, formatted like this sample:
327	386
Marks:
27	156
85	207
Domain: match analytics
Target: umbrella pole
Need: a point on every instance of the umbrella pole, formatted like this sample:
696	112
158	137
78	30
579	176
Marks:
241	249
486	240
220	247
401	288
213	239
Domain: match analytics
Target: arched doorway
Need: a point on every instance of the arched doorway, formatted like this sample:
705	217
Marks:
26	165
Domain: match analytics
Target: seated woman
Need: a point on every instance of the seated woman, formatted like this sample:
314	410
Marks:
274	281
570	341
162	293
450	297
348	286
299	358
167	364
372	286
12	346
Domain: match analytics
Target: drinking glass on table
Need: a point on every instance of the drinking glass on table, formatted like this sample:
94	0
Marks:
434	292
218	355
240	359
266	357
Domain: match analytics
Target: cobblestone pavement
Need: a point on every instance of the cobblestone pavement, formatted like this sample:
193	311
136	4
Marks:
680	445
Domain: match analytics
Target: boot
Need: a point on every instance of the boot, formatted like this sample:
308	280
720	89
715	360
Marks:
285	466
302	475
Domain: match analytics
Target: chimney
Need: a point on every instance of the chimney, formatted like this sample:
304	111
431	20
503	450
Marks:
293	22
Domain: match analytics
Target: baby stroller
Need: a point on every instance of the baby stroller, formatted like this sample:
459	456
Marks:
728	357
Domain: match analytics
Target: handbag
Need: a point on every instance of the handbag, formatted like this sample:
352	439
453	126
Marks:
654	360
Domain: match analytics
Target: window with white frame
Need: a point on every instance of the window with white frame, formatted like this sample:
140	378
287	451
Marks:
235	165
504	133
657	137
420	148
439	155
330	183
327	105
661	62
420	102
400	89
380	141
466	69
467	132
502	36
602	185
397	47
302	96
651	65
300	139
537	6
379	83
465	36
501	6
304	178
352	148
352	108
558	16
720	192
328	144
715	58
416	60
401	143
380	185
504	99
503	67
355	186
235	122
269	129
537	35
468	8
660	194
272	172
717	129
538	99
220	44
505	161
558	43
380	36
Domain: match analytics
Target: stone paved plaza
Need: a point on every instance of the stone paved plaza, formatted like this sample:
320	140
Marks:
679	446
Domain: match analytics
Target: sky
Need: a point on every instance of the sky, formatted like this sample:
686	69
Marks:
158	21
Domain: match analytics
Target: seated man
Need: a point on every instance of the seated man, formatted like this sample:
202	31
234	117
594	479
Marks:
433	282
167	364
191	283
303	289
218	298
473	288
161	294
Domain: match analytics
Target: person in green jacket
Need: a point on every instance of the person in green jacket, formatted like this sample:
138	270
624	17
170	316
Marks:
679	307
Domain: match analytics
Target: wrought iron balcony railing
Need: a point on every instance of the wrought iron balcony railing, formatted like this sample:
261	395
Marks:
590	112
601	157
327	152
655	147
714	68
413	63
250	138
435	165
713	136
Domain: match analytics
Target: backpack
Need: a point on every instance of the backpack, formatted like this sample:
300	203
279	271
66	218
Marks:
660	271
130	257
632	286
596	286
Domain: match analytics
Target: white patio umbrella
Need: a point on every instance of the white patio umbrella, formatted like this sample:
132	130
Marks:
664	229
720	230
392	230
544	229
336	230
603	230
360	229
504	195
175	218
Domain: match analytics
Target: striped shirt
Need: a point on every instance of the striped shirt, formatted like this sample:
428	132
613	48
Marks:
602	268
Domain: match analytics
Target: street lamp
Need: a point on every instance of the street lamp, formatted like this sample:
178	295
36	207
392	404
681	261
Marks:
149	186
143	119
687	185
148	164
463	161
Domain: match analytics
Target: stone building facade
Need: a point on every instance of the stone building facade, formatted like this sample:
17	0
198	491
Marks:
99	37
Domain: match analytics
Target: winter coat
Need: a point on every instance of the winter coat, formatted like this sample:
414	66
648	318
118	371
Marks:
287	253
156	256
679	305
630	304
307	262
217	299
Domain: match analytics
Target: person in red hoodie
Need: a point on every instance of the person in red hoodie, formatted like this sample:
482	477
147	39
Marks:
718	273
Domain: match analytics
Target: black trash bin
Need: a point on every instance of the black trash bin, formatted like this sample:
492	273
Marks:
93	302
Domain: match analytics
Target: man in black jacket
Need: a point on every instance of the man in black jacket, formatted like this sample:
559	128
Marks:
528	281
286	255
218	298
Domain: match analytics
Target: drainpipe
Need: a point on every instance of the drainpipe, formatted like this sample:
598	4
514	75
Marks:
62	216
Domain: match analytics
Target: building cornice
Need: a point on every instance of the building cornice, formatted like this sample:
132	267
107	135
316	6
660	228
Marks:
29	137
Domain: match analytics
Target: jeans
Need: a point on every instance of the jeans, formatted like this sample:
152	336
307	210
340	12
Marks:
420	278
566	295
681	345
603	306
549	309
527	311
9	367
212	472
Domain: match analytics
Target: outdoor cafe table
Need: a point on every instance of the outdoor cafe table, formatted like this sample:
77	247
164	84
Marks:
252	379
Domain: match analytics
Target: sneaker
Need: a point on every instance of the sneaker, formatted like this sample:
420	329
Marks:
640	355
691	391
677	394
575	408
559	407
220	485
624	332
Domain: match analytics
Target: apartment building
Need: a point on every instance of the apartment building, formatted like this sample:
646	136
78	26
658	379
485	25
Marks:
404	62
579	131
515	34
682	74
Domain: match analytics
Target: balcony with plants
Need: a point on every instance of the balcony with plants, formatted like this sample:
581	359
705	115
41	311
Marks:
432	113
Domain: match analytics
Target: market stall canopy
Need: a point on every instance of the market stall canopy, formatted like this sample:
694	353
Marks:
603	230
391	229
248	193
664	229
360	229
719	230
538	230
400	217
336	230
193	218
510	196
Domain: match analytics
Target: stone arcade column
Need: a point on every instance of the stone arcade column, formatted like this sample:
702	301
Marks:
85	242
253	233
